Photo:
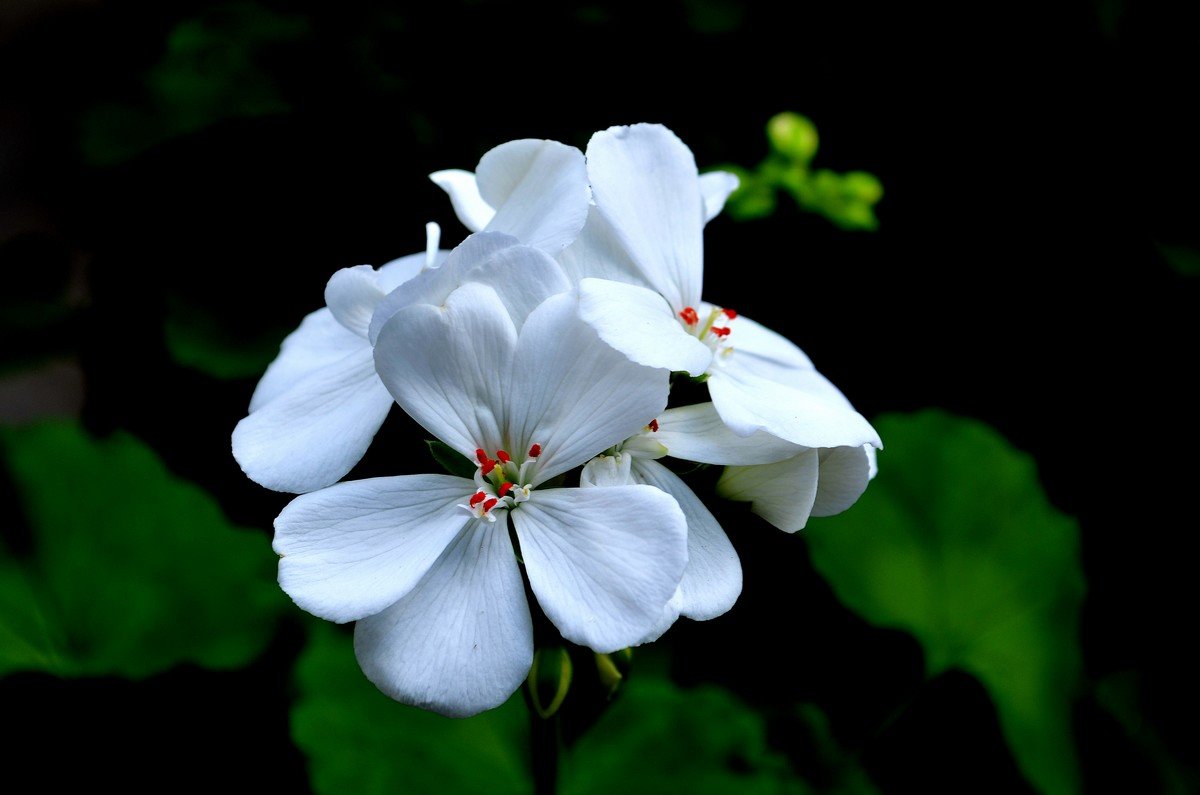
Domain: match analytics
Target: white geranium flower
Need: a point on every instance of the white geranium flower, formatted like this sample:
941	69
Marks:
639	263
319	404
424	563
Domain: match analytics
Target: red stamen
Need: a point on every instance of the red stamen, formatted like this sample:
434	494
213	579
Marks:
653	426
504	489
720	331
487	466
490	504
477	498
503	456
482	456
689	316
535	450
730	313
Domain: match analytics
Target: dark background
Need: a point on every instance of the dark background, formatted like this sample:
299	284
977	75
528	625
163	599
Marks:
1031	270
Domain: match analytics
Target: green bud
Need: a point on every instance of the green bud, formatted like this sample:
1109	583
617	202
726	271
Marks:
549	680
793	135
612	669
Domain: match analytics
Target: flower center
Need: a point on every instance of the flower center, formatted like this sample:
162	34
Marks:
500	482
713	330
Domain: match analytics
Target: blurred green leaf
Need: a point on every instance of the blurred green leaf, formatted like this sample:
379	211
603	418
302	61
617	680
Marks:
1184	259
956	543
133	570
205	342
215	66
847	200
360	741
655	738
659	738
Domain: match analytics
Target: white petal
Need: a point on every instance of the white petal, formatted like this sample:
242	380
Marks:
801	412
845	473
712	580
603	562
539	189
872	461
781	493
697	433
468	205
446	365
353	549
352	295
314	433
319	342
644	181
761	350
604	471
715	187
395	273
640	324
461	641
670	614
572	394
598	253
523	277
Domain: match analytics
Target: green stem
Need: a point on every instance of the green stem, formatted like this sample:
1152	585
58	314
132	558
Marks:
544	746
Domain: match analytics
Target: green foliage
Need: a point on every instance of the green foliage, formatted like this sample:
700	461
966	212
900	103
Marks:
1184	259
132	570
359	740
655	738
450	459
659	738
847	200
956	543
214	67
203	341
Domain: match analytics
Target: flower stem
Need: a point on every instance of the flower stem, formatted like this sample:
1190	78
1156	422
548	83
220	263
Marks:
544	746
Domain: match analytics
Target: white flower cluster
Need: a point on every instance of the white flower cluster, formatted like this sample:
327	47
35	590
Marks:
542	349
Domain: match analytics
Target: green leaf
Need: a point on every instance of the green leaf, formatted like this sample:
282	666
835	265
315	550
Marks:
215	66
655	738
206	342
133	570
659	738
450	459
956	543
358	740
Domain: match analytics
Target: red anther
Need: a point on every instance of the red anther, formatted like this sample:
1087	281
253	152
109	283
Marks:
689	316
730	313
504	489
503	456
535	450
653	426
482	456
490	504
477	498
487	466
720	331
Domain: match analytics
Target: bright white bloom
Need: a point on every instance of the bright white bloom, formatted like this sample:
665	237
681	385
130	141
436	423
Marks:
424	563
319	404
650	204
639	263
